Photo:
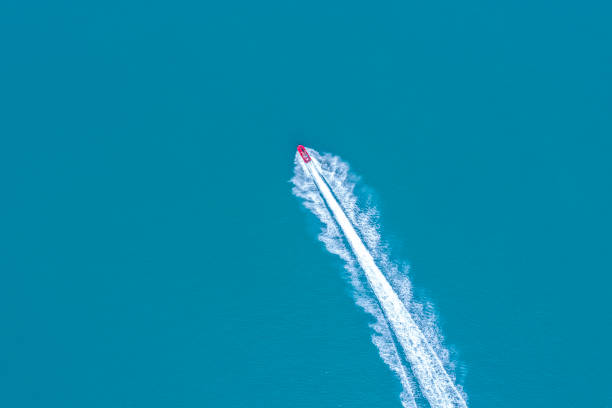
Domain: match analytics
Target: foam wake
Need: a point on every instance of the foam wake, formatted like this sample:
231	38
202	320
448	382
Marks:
381	288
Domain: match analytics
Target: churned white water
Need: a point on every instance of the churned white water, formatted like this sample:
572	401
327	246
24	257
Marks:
407	340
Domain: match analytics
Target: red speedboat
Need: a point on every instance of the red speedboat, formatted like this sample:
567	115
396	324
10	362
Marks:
304	153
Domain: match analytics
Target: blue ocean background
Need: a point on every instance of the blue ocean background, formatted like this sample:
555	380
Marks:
152	254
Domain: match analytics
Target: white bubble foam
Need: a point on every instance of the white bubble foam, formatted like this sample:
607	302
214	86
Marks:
380	287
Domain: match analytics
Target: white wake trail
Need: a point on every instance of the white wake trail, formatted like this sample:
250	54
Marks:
434	382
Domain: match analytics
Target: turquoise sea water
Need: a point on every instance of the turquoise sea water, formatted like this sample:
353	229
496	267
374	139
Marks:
153	255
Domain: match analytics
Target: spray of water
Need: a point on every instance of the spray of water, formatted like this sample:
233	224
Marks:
381	288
